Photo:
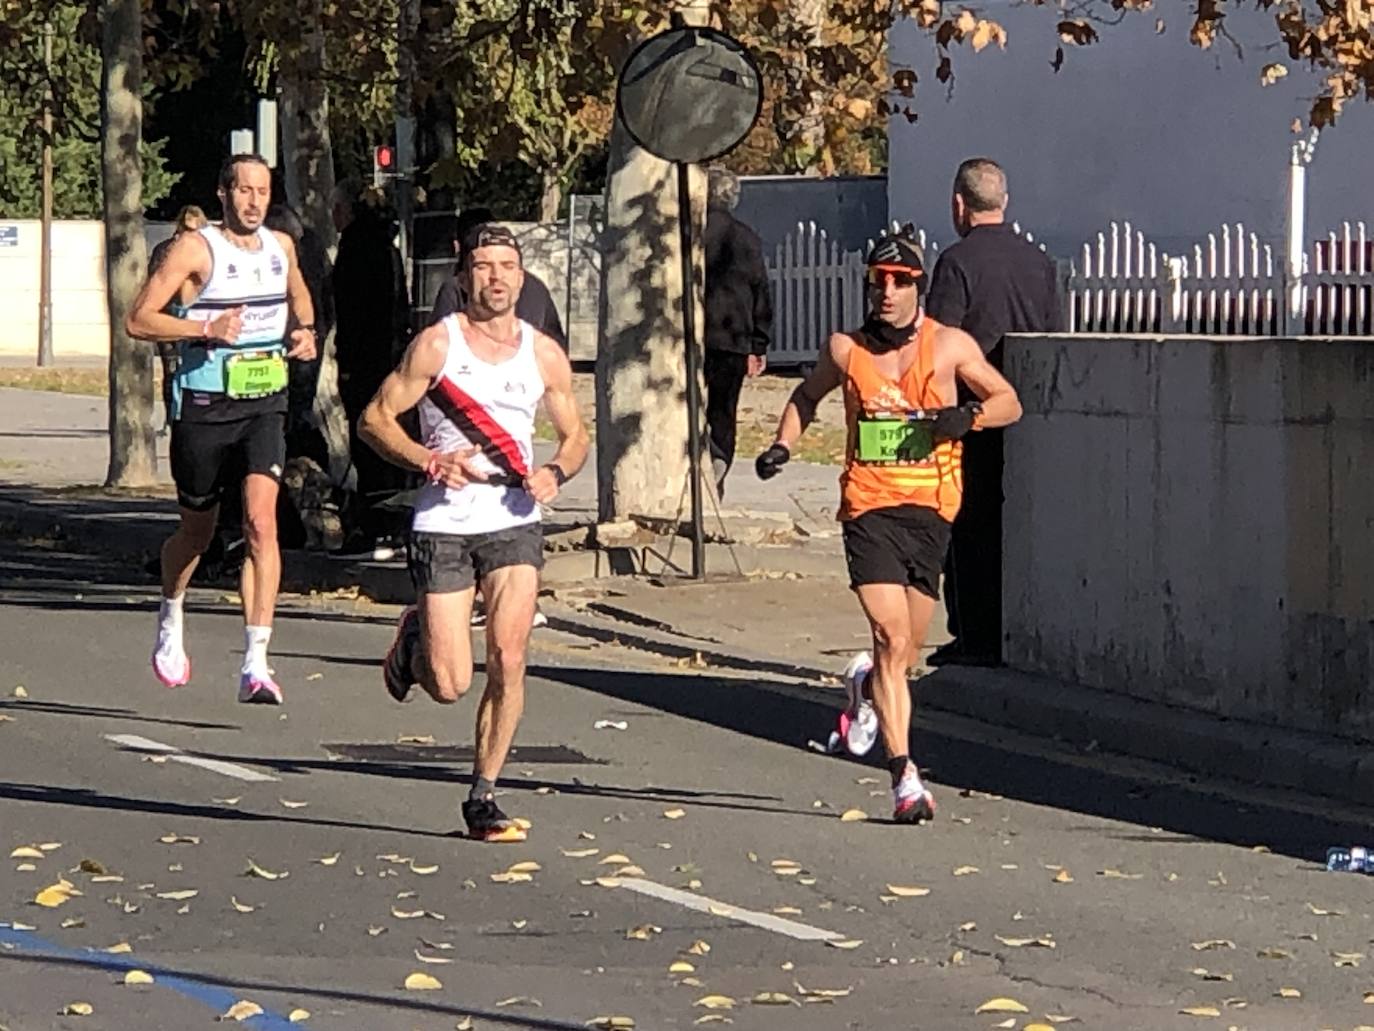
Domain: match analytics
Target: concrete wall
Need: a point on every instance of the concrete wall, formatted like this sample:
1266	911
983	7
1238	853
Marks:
1140	126
1191	521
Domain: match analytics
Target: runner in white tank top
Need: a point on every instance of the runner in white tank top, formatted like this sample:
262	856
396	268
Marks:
477	378
491	406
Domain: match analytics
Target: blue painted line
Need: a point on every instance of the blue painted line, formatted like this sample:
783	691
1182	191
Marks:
216	999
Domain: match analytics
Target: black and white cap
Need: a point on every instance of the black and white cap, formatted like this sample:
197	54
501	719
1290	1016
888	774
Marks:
899	254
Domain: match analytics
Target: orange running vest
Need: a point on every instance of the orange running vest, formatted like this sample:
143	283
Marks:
935	481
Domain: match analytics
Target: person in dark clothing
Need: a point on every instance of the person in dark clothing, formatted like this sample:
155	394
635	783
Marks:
739	316
372	327
991	283
534	305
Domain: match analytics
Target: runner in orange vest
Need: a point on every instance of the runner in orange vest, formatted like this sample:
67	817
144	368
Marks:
900	488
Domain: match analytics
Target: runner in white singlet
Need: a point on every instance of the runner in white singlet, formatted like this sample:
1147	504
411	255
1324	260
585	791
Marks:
477	378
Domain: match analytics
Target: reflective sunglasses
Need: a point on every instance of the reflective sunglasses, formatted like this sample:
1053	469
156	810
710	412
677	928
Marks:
900	278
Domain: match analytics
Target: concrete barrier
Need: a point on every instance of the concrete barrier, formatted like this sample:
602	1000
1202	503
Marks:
1191	521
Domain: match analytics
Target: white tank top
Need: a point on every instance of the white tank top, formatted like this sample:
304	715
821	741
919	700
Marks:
254	279
474	403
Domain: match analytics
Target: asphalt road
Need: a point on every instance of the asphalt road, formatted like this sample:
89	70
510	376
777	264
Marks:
1077	886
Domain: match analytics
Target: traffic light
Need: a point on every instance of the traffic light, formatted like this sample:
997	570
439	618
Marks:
383	164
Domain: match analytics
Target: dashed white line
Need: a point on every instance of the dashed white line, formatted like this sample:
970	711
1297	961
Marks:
702	904
143	744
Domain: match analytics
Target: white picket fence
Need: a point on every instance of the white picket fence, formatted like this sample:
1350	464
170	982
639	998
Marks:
1232	284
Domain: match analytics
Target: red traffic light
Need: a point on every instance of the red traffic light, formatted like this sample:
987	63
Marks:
384	158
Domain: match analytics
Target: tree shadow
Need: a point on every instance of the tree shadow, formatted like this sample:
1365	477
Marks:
106	713
48	954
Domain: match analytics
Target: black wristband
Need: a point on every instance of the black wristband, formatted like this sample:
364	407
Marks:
558	473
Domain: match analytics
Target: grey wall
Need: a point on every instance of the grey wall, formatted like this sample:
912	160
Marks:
850	208
1191	521
1137	126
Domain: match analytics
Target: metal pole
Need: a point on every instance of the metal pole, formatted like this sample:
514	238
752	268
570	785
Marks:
684	222
1297	190
45	355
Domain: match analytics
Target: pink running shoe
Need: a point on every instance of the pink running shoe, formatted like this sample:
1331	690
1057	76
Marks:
168	672
912	801
255	690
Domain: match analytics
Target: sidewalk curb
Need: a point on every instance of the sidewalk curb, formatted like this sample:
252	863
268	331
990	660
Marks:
1192	742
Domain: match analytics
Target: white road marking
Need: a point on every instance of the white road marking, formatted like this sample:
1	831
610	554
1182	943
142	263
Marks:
766	921
142	744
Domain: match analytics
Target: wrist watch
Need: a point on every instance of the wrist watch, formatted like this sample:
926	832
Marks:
558	474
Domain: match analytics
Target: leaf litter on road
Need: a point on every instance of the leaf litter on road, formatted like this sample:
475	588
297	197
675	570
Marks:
241	1011
254	870
137	977
420	982
1001	1005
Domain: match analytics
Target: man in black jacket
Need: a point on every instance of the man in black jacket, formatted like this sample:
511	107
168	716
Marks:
534	305
739	316
989	284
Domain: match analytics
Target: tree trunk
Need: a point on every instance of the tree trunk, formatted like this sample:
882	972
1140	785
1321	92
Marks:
550	198
808	17
133	456
308	154
641	371
308	159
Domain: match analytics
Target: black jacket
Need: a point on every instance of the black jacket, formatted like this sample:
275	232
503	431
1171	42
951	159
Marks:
534	305
371	309
739	300
991	283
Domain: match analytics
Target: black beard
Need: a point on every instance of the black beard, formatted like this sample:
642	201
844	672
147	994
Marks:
880	337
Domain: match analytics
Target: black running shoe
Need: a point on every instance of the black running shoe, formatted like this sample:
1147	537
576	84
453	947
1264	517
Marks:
486	822
396	666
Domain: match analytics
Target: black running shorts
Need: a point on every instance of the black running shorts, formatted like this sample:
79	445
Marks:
209	457
904	545
441	563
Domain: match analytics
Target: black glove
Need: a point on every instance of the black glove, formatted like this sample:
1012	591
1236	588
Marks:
770	463
955	423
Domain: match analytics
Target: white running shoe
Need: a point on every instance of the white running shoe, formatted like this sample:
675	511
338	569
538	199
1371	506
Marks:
171	666
912	801
256	690
858	723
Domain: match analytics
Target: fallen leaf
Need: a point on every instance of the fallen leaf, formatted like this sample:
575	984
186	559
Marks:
773	999
520	1000
138	977
430	959
1211	975
1288	993
465	1024
329	860
519	925
970	926
401	914
1200	1011
630	871
75	921
418	982
25	868
1272	953
611	1023
56	894
681	966
698	948
1369	998
1063	877
509	877
1315	911
298	1016
120	949
579	853
180	895
853	816
610	725
179	839
374	931
713	1018
287	803
822	993
715	1002
415	739
1021	943
786	911
529	866
1119	875
20	692
241	1011
674	814
964	871
1001	1005
615	859
254	870
27	852
424	871
1213	943
642	933
903	891
608	882
844	943
74	1009
314	676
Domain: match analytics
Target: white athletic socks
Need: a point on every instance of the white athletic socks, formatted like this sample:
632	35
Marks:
255	639
170	640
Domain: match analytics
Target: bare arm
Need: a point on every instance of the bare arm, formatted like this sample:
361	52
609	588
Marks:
298	301
1001	406
825	377
561	406
187	258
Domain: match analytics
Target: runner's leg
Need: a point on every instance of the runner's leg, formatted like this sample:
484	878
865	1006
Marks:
511	592
442	665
